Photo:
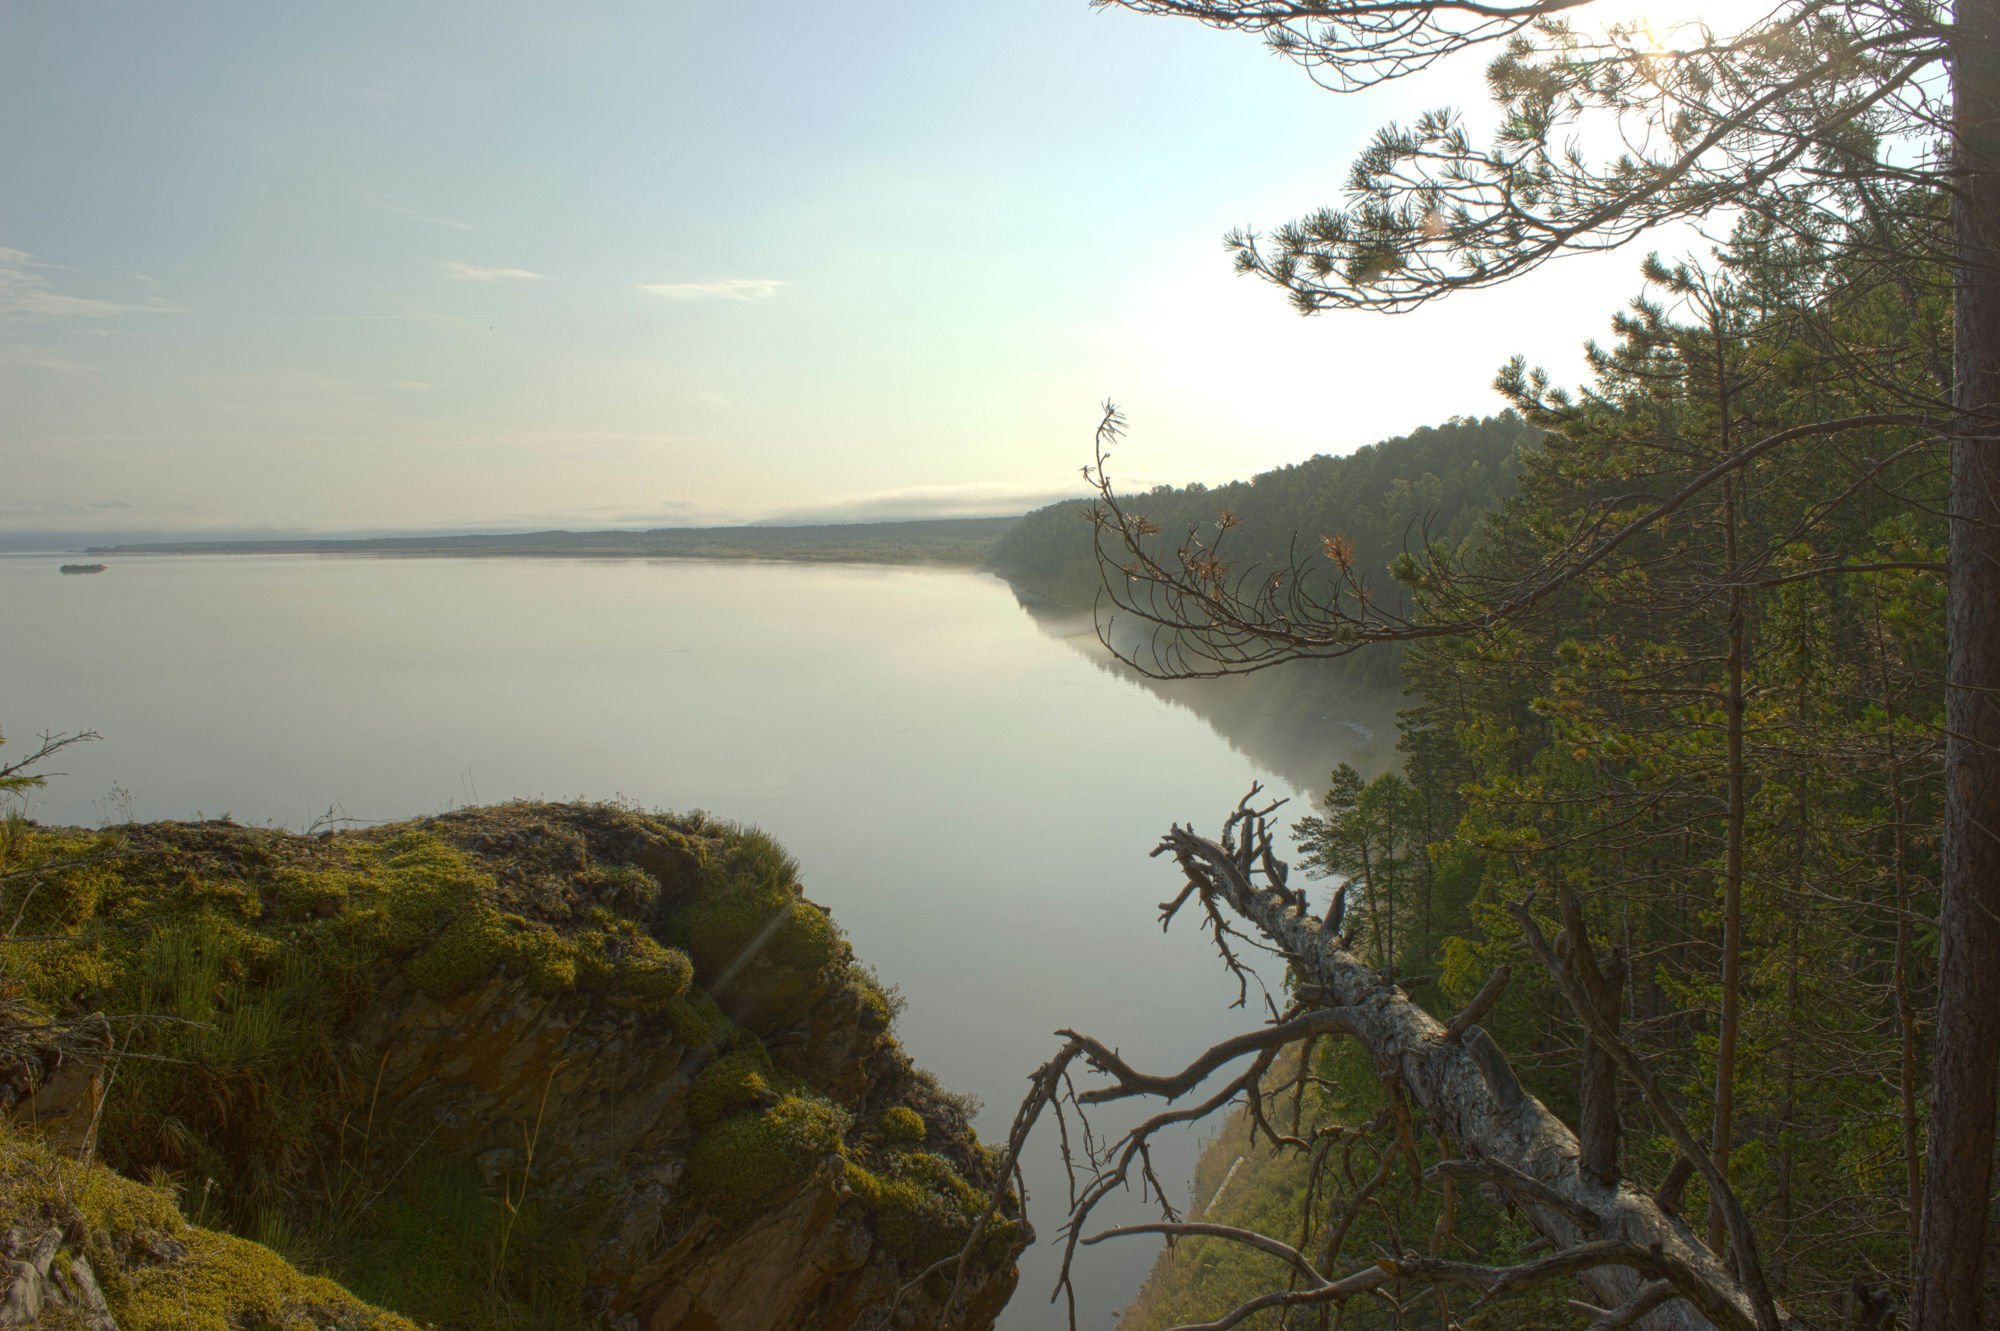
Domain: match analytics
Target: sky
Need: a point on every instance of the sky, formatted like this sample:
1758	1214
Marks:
410	267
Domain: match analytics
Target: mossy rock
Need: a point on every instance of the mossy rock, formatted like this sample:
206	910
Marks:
749	916
272	953
157	1272
626	887
731	1084
923	1209
736	1164
650	971
900	1123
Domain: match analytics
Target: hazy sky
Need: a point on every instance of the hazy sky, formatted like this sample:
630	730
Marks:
379	266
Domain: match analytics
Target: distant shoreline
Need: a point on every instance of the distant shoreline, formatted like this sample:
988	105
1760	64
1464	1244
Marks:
955	541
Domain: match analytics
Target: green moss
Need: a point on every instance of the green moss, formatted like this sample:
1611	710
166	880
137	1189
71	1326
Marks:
263	946
469	949
226	1284
66	893
739	1162
749	900
807	941
650	971
866	1187
260	945
729	1085
915	1225
296	894
210	1282
902	1124
717	932
752	857
880	1004
923	1209
698	1023
607	952
628	887
400	892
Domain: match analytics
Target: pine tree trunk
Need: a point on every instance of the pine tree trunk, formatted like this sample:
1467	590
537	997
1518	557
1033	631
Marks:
1732	874
1958	1184
1906	1009
1789	1051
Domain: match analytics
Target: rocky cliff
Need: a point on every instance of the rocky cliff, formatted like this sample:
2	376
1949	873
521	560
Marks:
535	1065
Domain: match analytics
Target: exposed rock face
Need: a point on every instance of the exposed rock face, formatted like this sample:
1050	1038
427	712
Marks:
631	1029
38	1289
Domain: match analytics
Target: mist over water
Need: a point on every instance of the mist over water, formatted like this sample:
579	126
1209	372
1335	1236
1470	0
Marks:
1285	719
972	796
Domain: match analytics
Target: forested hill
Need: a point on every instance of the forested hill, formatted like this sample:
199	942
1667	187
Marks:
1384	498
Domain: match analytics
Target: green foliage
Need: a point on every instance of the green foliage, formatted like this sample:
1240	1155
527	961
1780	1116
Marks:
649	970
443	1248
1245	1181
630	889
245	957
1586	749
1429	486
1370	834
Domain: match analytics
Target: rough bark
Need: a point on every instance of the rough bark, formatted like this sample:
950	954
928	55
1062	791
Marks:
1732	876
1600	1083
1604	985
1958	1185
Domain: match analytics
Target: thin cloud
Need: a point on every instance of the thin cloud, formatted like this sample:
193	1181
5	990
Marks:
33	358
470	272
26	293
430	318
432	219
726	288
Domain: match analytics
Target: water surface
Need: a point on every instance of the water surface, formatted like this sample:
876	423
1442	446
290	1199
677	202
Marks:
971	797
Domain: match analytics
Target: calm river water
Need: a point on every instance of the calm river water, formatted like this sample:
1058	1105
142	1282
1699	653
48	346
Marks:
970	795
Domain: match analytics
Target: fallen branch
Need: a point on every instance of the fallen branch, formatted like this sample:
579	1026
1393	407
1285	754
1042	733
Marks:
1645	1268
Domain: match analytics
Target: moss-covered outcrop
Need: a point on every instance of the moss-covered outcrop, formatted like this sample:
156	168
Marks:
534	1065
88	1249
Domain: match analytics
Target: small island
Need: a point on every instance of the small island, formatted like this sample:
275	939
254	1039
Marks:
82	568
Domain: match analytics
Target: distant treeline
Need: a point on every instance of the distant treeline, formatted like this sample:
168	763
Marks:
936	541
1430	485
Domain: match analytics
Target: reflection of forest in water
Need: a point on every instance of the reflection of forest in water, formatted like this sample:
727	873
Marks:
1296	720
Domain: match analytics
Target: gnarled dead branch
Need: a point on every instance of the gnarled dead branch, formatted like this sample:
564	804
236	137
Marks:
1642	1266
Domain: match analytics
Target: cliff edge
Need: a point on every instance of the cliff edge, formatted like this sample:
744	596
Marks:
524	1066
